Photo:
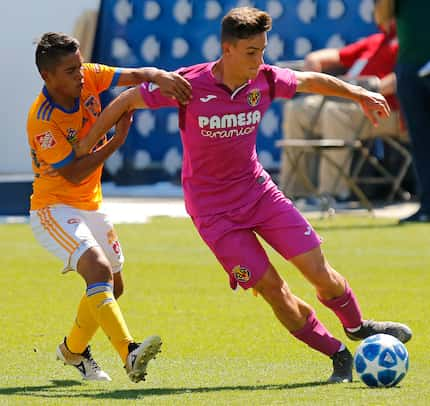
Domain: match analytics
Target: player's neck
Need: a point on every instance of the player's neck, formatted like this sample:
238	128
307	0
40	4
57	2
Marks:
227	76
60	99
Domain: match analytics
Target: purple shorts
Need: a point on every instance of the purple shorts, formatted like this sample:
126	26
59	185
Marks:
232	236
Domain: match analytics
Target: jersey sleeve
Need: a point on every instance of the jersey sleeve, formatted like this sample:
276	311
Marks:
102	76
51	146
348	55
153	98
285	82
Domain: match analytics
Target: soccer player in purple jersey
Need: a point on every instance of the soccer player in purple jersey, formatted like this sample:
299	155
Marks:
232	199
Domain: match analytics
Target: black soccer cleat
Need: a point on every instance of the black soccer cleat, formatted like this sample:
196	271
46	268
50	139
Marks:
370	327
342	367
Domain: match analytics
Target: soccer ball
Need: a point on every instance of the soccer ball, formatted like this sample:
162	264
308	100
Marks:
381	361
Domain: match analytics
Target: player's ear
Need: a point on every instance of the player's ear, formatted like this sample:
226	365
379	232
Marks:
44	74
226	47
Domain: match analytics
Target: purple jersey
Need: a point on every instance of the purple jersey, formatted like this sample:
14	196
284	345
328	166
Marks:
220	170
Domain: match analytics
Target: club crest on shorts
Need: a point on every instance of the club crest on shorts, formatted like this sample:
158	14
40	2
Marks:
113	241
112	236
254	97
241	273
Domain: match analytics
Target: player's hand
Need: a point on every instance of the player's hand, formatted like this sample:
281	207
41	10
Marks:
48	170
374	106
122	127
174	85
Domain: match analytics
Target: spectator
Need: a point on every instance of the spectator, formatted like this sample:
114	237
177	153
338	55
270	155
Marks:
413	86
375	56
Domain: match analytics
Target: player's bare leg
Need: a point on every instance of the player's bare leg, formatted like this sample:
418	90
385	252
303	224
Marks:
299	318
118	285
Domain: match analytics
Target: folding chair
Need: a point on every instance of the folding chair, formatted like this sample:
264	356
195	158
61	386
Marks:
320	148
383	174
296	150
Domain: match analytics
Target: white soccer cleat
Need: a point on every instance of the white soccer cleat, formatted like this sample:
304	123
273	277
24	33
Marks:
139	356
84	363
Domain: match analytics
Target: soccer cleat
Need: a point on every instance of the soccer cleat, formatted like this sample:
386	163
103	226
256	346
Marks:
84	363
139	356
342	367
370	327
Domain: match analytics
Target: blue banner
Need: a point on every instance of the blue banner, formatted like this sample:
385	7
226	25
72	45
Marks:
174	33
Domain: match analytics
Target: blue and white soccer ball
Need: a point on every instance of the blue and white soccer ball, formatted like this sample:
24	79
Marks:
381	361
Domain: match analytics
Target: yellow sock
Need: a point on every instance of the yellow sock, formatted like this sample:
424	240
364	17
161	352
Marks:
107	313
83	328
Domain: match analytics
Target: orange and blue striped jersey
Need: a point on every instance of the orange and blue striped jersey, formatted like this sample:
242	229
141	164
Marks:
52	131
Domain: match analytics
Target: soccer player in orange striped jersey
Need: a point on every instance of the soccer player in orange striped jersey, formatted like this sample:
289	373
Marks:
65	212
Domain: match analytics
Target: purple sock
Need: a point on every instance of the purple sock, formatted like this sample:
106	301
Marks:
314	334
345	307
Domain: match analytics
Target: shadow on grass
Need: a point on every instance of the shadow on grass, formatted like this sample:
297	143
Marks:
55	390
362	226
32	390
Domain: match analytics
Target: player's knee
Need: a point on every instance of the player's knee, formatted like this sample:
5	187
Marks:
316	269
322	276
94	266
103	271
275	292
329	283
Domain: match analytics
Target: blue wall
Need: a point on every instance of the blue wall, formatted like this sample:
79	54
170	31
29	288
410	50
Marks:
175	33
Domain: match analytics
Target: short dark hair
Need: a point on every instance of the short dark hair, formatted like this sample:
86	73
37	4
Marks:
51	47
244	22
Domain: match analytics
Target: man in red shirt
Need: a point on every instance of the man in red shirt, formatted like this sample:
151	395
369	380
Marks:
374	56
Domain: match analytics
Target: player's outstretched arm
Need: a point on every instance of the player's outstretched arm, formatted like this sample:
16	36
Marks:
171	83
80	168
373	104
127	101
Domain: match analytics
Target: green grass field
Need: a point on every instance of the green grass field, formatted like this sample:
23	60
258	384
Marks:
220	347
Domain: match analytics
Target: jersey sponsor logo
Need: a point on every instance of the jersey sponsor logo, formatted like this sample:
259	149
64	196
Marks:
73	221
254	97
46	140
92	105
209	97
230	120
241	273
72	136
229	125
233	132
